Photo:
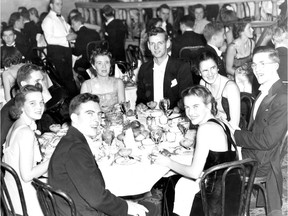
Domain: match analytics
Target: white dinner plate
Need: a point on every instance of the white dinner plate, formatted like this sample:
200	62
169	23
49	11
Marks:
125	161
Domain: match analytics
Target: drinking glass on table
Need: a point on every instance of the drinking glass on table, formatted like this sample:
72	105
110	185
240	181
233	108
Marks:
108	136
156	135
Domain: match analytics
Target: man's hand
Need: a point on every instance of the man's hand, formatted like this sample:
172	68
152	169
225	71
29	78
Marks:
136	209
71	36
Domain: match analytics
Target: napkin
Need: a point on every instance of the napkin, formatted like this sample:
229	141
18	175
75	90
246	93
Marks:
129	140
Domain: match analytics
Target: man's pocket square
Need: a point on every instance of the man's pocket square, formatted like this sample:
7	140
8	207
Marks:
173	83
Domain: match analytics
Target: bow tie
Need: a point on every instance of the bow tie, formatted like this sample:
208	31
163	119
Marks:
58	15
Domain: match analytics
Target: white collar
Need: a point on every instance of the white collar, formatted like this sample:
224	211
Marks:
109	20
265	87
216	49
164	62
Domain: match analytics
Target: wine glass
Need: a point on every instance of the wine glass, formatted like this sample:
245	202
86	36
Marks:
156	135
125	106
164	105
152	104
108	136
183	127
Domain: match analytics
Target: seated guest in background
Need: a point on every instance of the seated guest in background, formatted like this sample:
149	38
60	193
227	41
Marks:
73	167
267	126
21	40
199	12
75	11
115	33
34	17
163	12
280	40
225	91
188	37
28	74
21	149
214	34
9	37
200	108
164	76
152	23
110	90
12	61
84	36
239	52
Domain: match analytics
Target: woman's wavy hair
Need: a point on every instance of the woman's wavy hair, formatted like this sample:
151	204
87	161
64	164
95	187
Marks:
20	98
239	27
11	56
206	55
204	94
101	52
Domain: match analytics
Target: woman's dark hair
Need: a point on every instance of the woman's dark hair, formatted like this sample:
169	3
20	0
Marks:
204	94
194	7
101	52
239	27
206	55
11	56
20	98
13	18
152	23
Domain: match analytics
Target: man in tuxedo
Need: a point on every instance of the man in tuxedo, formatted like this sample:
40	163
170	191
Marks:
74	170
188	37
58	36
84	36
214	34
164	76
115	33
267	126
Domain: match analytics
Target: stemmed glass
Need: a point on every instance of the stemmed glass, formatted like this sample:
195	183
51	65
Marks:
156	135
108	136
164	105
183	127
124	107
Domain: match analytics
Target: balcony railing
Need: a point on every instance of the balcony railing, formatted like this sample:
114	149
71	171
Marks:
92	10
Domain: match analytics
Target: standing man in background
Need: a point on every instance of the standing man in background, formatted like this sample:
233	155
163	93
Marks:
115	33
58	37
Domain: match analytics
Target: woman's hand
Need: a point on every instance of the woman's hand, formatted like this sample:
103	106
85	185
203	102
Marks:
161	159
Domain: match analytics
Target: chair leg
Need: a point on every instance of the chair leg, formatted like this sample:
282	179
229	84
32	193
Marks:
264	192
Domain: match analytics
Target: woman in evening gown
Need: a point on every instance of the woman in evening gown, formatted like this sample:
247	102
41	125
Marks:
21	149
110	90
217	148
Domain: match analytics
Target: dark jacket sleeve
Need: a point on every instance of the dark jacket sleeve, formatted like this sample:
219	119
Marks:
271	130
184	77
89	182
144	83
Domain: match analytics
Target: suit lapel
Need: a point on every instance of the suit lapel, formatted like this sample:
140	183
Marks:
251	120
167	78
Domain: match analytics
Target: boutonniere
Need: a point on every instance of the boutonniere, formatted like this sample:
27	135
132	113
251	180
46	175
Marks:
173	83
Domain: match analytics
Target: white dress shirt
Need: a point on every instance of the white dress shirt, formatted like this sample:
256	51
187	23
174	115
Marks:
158	80
55	29
264	88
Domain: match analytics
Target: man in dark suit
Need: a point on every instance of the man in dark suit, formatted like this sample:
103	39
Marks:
84	36
188	37
214	34
163	12
22	42
74	170
115	34
267	126
164	76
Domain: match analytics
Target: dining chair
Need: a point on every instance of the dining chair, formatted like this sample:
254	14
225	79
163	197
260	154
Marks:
46	196
236	180
246	102
6	200
93	45
189	52
260	182
133	54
